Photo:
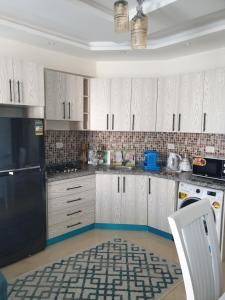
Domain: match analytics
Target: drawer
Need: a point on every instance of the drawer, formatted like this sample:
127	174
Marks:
70	186
72	201
69	214
76	223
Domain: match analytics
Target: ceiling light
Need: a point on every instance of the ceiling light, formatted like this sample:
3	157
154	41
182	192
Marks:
139	28
121	16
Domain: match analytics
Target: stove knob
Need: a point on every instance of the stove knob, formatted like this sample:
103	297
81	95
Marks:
198	191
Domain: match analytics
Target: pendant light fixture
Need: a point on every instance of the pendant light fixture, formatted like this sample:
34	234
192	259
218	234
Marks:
139	28
121	16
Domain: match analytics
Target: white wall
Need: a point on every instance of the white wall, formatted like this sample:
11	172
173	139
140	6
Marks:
50	59
186	64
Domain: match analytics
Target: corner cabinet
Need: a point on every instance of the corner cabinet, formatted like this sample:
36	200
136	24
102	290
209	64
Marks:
64	96
143	104
162	197
21	83
121	199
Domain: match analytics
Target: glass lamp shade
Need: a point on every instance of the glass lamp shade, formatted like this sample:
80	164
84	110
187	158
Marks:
121	16
139	31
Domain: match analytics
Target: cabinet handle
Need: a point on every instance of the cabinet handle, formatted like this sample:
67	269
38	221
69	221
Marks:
10	89
75	200
73	225
74	213
133	120
69	110
107	121
179	122
149	186
64	110
75	187
118	187
113	117
124	184
18	89
173	126
204	122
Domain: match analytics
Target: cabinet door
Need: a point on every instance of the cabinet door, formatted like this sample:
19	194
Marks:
74	97
168	89
32	84
161	202
214	102
108	198
55	95
100	104
120	104
190	102
134	200
143	104
6	81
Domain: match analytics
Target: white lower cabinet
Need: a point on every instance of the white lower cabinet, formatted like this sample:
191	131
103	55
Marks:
162	196
121	199
71	205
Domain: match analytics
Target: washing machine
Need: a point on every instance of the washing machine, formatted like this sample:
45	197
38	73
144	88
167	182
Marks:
188	194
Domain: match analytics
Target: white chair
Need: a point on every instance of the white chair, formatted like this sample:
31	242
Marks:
197	246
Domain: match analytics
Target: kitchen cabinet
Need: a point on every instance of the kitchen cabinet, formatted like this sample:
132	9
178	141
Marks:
21	83
143	104
214	102
162	197
71	205
190	102
100	104
168	92
121	199
120	104
64	96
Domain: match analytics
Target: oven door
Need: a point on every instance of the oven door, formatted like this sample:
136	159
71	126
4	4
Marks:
207	167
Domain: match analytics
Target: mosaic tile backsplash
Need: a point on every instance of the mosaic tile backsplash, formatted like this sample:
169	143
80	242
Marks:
190	143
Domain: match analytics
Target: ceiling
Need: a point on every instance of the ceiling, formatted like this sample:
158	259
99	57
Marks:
85	27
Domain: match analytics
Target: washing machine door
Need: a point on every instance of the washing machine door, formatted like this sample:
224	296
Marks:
189	201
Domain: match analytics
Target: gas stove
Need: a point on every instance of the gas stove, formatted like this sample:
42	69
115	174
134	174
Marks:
67	167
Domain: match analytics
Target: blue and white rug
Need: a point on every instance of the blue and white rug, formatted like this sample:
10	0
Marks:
114	270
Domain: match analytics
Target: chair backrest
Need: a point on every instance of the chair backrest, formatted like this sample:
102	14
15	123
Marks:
197	246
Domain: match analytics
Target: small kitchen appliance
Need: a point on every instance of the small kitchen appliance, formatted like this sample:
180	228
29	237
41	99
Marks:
209	167
173	161
185	165
150	163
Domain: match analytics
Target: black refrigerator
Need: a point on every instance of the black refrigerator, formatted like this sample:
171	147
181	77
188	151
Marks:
22	189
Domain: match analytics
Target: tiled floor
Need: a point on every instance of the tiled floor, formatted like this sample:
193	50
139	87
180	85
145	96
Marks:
154	243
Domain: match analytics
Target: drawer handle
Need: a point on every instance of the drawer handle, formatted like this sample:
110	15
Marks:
75	187
70	201
74	225
74	213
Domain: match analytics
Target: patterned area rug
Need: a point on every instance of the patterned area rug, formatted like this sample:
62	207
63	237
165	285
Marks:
114	270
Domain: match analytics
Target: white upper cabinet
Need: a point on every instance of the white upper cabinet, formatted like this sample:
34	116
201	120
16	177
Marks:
120	104
190	102
22	83
100	104
168	92
6	81
64	96
143	104
214	102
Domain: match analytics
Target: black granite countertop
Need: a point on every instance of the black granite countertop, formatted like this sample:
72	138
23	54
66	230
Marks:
177	176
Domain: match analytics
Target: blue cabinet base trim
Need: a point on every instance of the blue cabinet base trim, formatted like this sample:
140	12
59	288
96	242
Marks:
70	234
106	226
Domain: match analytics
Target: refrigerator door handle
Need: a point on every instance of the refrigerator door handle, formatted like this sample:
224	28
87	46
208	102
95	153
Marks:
20	170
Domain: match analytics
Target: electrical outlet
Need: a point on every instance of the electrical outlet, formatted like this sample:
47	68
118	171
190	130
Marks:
210	149
171	146
59	145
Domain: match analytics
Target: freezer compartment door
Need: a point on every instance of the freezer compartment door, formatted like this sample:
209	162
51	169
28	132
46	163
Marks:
22	214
